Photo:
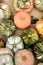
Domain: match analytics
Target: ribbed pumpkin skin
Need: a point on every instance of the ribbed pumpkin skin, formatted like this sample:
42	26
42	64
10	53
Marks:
14	43
30	36
38	50
7	27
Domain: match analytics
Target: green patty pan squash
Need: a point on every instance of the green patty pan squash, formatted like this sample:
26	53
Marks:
30	36
38	50
7	27
14	43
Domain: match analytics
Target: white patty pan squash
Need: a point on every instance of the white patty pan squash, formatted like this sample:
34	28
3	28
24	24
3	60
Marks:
7	27
4	11
14	43
6	57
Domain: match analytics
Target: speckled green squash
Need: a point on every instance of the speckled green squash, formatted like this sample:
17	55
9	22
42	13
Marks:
7	27
39	51
30	36
40	63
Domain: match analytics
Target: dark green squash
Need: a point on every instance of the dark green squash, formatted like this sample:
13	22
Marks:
38	50
30	36
7	27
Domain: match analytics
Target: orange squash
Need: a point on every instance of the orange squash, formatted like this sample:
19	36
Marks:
22	20
39	27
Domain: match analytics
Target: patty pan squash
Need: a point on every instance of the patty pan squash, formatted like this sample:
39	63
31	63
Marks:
39	4
4	11
38	50
6	57
30	36
14	43
7	27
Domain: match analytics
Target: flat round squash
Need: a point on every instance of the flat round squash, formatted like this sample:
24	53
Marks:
4	11
25	5
30	36
7	27
22	20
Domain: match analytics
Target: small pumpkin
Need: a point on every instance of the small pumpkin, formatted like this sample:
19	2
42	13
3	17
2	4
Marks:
25	5
6	57
40	63
7	27
4	11
14	43
39	27
38	50
30	36
22	20
39	4
24	57
1	43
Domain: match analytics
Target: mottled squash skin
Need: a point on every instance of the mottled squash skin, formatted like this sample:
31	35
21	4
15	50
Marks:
7	27
38	50
39	4
30	36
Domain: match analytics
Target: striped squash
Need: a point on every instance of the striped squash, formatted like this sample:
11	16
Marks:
38	49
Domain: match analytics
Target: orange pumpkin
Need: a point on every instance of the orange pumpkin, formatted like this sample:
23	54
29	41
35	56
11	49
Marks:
22	20
39	27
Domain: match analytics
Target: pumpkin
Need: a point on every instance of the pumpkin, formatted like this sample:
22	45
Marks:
6	57
39	27
1	43
24	57
39	4
7	27
38	50
30	36
4	11
25	5
14	43
40	63
22	20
